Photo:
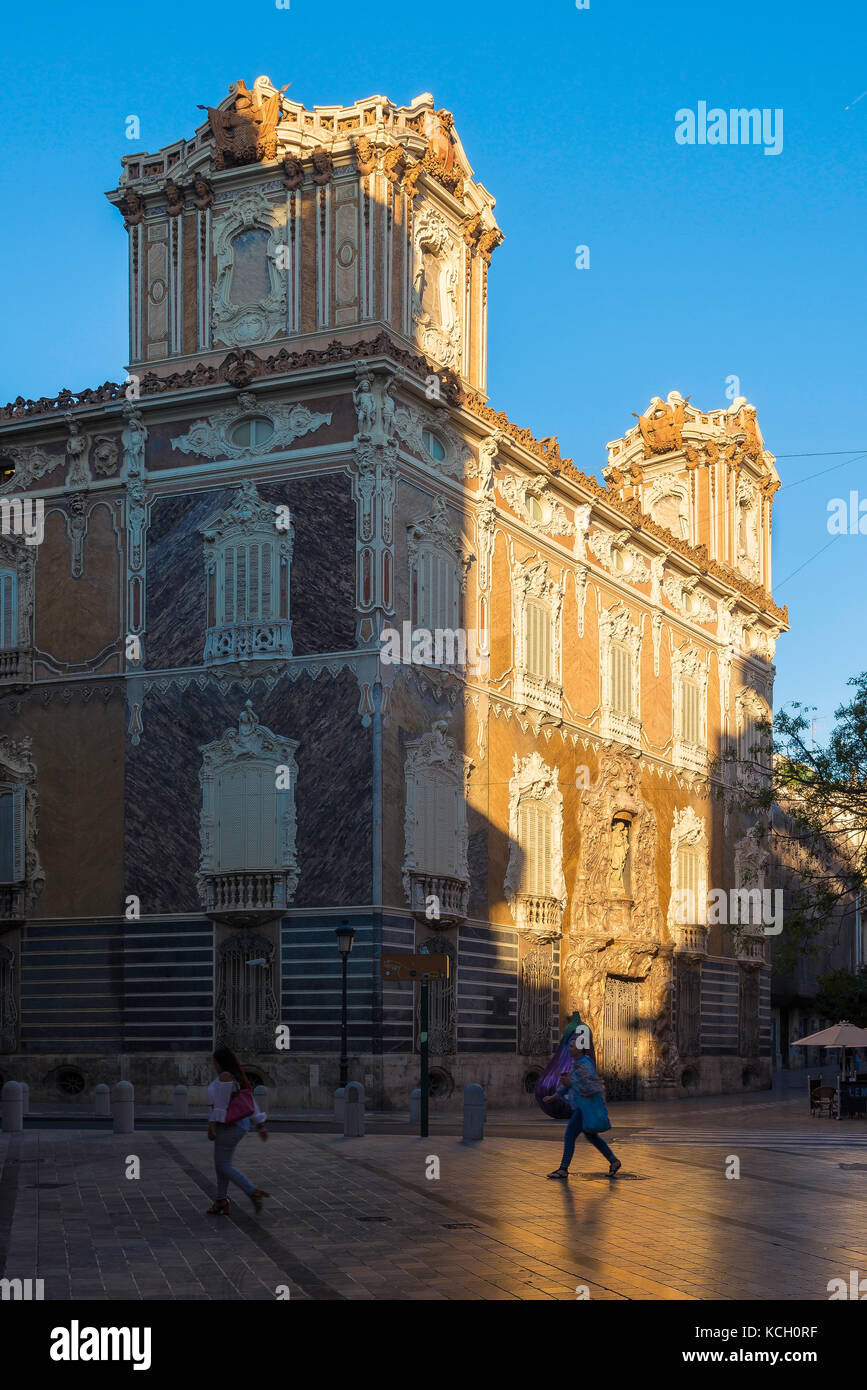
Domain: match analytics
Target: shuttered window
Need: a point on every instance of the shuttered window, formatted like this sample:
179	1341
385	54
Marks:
621	679
247	812
436	591
690	712
537	847
248	587
538	639
437	818
8	609
693	893
12	835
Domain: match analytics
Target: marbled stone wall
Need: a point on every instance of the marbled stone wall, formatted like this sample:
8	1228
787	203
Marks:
333	794
321	583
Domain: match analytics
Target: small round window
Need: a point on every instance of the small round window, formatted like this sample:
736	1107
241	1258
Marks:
433	446
621	561
534	508
7	469
249	434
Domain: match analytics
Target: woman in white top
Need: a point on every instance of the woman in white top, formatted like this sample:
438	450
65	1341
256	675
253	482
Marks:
226	1134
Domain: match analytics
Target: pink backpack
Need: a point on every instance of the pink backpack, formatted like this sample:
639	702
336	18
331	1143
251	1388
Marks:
240	1106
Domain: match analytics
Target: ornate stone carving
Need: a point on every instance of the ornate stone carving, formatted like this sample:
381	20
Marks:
241	323
684	596
436	277
247	133
411	424
132	207
323	166
613	552
365	155
18	774
203	193
536	504
293	173
212	439
30	462
667	500
436	529
78	476
104	455
596	909
533	780
174	196
661	425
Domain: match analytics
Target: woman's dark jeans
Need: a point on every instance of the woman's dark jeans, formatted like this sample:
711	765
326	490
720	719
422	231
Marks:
573	1129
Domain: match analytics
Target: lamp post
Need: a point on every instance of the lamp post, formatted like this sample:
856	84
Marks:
345	936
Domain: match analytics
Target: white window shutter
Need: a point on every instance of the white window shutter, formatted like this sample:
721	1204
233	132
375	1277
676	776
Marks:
228	603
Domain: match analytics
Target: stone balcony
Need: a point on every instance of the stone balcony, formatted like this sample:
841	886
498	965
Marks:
16	668
690	940
623	728
451	895
750	948
540	917
247	896
238	643
690	755
537	693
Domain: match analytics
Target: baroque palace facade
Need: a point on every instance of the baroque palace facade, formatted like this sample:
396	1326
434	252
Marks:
228	718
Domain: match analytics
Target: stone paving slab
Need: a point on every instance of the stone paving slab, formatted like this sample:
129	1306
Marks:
490	1227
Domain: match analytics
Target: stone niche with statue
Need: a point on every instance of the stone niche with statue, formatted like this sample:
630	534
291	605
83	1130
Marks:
274	223
618	961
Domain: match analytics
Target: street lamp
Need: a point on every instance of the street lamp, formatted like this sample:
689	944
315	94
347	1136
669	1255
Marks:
345	936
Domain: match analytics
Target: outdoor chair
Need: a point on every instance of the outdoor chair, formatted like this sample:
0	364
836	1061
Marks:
823	1098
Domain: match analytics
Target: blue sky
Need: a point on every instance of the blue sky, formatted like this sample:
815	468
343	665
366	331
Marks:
705	261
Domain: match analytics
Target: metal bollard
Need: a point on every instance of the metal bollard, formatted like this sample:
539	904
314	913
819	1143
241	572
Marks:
353	1119
339	1104
25	1097
12	1105
180	1103
101	1101
260	1098
475	1107
415	1106
123	1108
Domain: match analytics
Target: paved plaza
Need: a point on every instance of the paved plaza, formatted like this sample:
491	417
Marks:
360	1219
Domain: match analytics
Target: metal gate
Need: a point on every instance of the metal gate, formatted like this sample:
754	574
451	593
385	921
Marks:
619	1052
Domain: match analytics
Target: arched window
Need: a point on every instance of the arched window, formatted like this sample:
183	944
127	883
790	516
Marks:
435	827
247	563
248	819
534	885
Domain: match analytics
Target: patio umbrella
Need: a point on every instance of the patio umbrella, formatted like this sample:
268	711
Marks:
840	1035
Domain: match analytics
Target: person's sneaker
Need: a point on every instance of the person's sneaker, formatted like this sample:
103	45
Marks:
559	1173
614	1167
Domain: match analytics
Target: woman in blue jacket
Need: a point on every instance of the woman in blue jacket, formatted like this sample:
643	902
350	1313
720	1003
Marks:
582	1088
